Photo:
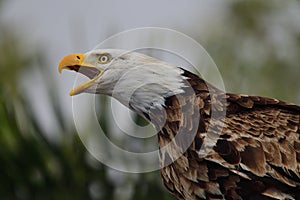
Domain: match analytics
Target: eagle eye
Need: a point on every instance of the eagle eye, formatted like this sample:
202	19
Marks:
104	58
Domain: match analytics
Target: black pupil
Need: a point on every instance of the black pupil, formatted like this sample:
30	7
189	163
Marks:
103	58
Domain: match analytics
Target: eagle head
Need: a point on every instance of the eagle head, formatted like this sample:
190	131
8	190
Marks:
138	81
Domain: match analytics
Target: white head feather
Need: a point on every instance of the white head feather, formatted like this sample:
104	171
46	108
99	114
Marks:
136	80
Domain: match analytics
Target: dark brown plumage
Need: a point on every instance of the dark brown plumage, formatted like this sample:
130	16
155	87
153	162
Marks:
255	155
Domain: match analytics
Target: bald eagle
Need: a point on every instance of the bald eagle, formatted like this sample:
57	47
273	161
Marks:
252	152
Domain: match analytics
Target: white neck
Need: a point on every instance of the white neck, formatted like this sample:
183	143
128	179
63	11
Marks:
145	87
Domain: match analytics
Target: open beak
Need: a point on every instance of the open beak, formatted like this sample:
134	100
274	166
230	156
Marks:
77	63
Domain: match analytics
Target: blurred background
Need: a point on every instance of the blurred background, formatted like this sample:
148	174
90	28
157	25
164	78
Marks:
255	44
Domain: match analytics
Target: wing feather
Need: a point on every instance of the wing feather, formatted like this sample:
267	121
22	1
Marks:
254	155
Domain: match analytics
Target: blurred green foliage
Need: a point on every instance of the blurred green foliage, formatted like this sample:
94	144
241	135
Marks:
33	167
257	49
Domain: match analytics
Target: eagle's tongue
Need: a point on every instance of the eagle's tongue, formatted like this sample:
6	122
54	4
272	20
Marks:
88	71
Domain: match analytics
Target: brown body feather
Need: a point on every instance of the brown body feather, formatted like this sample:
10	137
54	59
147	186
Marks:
251	153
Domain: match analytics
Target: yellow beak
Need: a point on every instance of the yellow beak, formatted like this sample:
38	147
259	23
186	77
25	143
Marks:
76	62
70	61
